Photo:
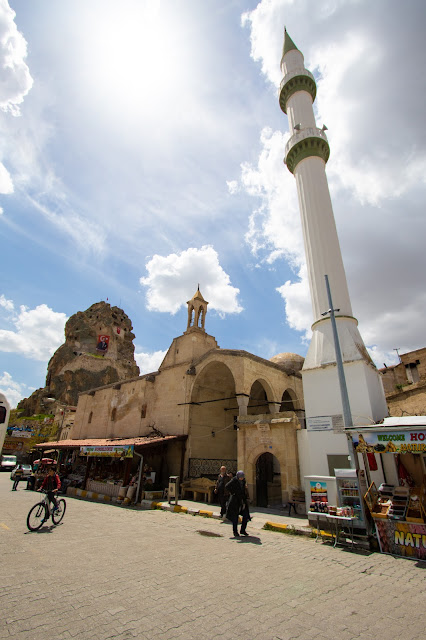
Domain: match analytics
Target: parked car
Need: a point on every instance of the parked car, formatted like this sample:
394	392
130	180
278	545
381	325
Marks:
7	463
27	469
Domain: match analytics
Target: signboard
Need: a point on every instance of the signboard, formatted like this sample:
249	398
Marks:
264	430
390	441
113	451
16	433
318	491
325	423
407	539
319	423
10	446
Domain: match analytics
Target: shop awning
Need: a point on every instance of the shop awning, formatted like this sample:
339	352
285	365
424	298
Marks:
147	441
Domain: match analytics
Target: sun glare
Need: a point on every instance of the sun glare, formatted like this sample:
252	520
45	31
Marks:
139	59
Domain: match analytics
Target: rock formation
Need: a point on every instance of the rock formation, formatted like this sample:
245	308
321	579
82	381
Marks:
98	350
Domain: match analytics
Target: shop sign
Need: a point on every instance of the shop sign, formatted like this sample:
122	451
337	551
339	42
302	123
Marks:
10	445
390	441
318	491
407	539
113	451
16	433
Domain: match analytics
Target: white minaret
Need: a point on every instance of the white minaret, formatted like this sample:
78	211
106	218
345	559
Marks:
306	154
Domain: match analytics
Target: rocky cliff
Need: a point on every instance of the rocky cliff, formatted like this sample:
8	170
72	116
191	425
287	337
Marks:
98	350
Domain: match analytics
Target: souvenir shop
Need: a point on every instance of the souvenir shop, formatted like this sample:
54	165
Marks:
119	469
394	459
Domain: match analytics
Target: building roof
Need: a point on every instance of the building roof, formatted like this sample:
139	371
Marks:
105	442
292	363
197	296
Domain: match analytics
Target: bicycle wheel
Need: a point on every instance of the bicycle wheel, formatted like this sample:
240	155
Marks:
36	516
60	512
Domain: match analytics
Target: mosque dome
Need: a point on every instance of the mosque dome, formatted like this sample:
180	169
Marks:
291	363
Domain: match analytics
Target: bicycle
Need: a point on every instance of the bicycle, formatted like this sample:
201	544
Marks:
41	511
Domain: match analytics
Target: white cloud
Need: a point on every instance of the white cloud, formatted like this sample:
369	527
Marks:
232	186
15	78
39	332
6	184
14	391
298	307
173	279
275	225
382	357
6	304
149	362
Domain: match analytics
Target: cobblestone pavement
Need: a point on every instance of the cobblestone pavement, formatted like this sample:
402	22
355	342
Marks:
108	572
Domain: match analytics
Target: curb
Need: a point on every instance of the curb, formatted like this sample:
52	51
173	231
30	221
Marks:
93	495
176	508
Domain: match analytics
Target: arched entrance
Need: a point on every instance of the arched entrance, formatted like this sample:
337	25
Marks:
213	408
268	481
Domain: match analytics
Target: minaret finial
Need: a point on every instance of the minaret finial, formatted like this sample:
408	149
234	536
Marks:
288	44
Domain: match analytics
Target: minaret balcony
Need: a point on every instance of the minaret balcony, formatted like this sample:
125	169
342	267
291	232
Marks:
296	80
308	142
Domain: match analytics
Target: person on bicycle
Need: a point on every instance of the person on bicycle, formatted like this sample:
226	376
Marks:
51	485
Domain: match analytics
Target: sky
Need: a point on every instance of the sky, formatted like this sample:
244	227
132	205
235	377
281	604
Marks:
141	154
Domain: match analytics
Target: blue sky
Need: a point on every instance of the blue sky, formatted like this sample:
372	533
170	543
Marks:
141	148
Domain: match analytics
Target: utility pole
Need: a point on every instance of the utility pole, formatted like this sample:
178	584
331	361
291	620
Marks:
397	352
347	415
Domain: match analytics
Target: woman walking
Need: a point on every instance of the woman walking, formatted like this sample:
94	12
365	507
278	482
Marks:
238	503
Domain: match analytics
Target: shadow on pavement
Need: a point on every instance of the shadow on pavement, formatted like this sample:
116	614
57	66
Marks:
248	539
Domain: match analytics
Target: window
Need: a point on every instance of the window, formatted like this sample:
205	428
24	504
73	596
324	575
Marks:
143	411
3	415
412	372
113	414
90	417
337	461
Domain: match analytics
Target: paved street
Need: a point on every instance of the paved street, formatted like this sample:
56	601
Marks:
109	572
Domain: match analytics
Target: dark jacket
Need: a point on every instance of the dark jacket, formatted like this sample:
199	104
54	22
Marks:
220	485
238	500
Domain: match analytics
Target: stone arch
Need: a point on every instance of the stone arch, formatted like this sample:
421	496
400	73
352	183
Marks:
289	401
212	411
250	471
260	397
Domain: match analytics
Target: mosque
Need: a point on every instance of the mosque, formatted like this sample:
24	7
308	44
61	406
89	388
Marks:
207	406
204	407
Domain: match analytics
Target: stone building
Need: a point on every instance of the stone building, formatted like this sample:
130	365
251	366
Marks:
405	384
226	407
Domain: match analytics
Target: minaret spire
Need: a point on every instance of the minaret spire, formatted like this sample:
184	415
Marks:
288	44
306	154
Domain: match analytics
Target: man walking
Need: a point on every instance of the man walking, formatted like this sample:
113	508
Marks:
19	473
220	490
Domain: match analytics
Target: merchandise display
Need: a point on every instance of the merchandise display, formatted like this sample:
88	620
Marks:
396	503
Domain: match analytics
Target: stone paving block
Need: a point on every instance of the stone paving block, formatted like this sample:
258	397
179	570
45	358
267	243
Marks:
154	576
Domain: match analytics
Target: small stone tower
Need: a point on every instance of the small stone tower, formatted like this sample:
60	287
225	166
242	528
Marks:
197	309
